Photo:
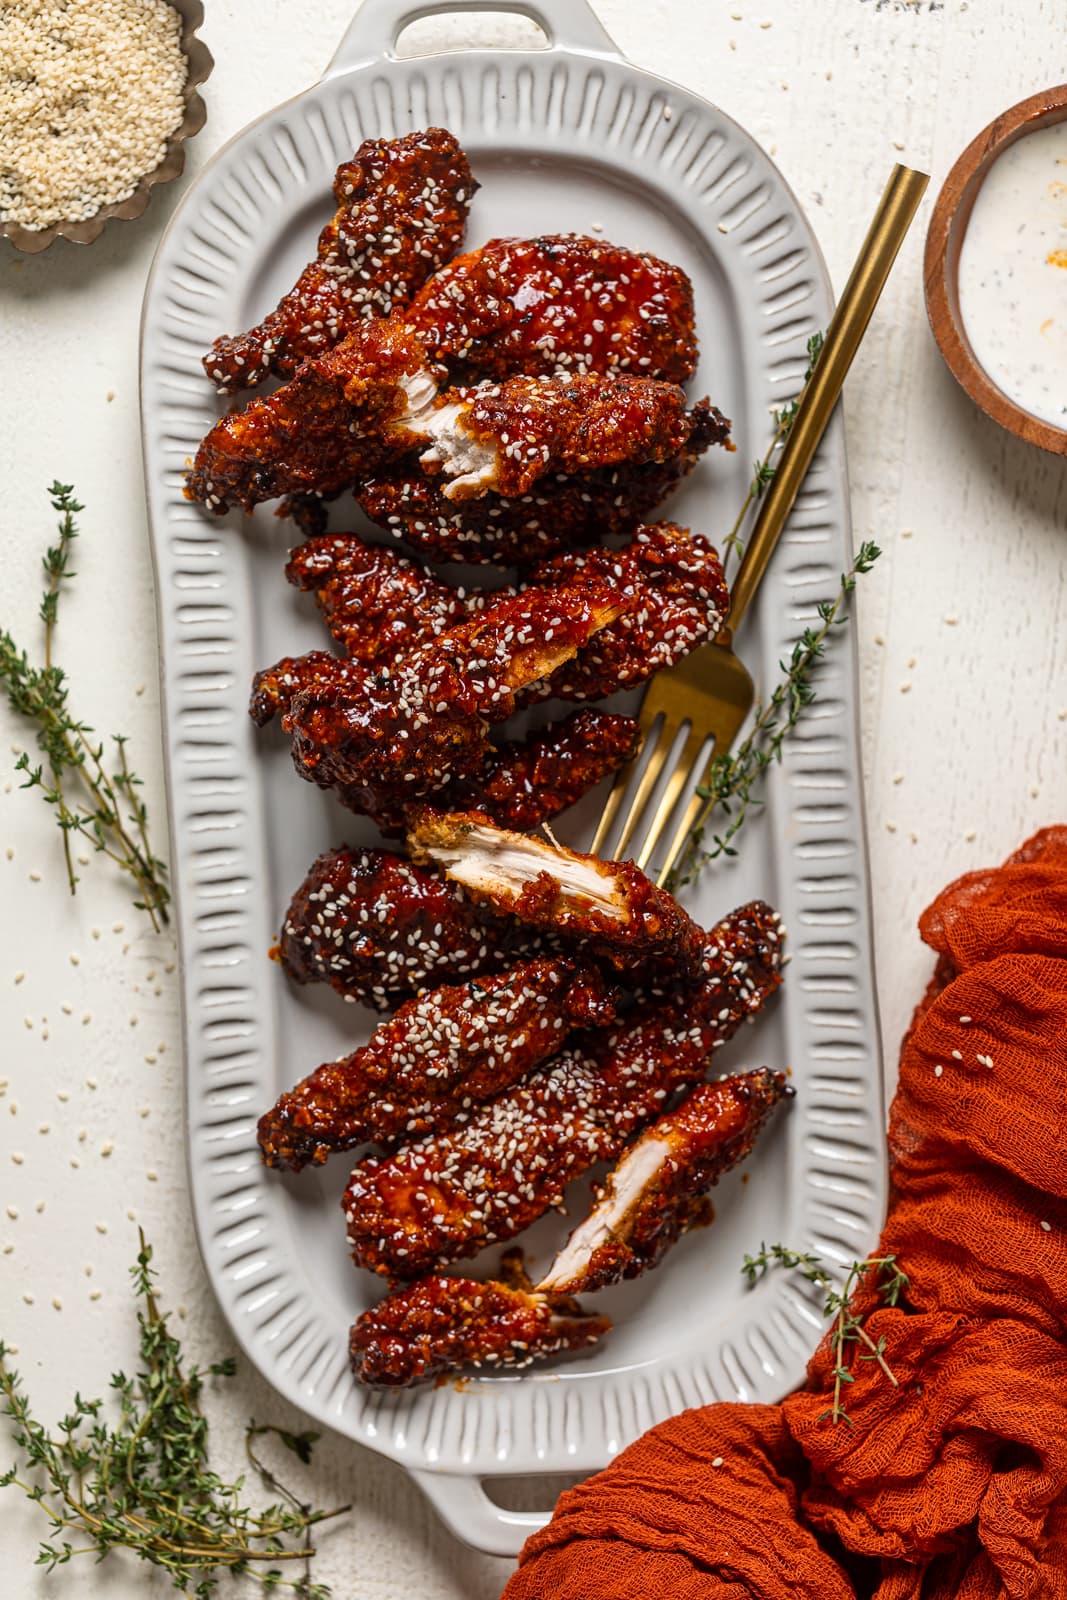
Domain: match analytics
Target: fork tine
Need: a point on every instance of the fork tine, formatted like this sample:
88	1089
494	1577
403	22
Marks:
679	778
615	799
649	779
690	818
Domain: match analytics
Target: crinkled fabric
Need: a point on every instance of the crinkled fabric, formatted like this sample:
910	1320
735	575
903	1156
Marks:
949	1482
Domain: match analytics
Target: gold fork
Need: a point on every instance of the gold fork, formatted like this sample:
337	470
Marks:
711	692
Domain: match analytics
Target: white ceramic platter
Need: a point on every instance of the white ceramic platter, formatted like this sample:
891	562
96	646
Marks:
569	137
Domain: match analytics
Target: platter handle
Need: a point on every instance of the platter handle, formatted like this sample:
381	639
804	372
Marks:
374	30
467	1511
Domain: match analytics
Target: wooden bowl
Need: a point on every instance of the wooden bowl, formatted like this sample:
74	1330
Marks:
33	240
941	264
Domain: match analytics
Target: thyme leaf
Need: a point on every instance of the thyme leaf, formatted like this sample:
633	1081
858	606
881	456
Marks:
879	1273
145	1484
93	790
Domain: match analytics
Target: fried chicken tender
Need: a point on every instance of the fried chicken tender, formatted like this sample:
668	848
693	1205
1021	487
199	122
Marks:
679	600
401	213
672	578
376	398
659	1188
521	783
408	732
374	602
657	1191
560	512
441	1054
558	303
609	905
446	1197
440	1324
377	928
529	781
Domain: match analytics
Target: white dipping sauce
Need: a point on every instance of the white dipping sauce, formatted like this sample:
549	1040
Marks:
1013	273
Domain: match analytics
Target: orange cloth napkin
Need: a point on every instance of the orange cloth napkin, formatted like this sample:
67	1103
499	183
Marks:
952	1486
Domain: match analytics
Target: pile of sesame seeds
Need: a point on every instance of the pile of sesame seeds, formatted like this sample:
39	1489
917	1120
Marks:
91	92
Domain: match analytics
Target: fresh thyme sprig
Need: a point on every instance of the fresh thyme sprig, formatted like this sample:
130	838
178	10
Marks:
145	1484
881	1273
95	797
732	779
765	469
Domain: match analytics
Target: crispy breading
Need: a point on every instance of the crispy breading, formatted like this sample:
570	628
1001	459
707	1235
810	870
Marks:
530	781
679	600
408	732
375	603
558	303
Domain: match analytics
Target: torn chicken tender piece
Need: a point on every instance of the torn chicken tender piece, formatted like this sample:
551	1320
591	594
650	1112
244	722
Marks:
559	512
469	463
401	213
507	436
610	904
441	1054
441	1324
679	600
658	1190
378	396
338	418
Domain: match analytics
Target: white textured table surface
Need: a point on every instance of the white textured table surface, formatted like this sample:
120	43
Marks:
963	630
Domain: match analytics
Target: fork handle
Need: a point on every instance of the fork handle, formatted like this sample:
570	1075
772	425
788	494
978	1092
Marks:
885	236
